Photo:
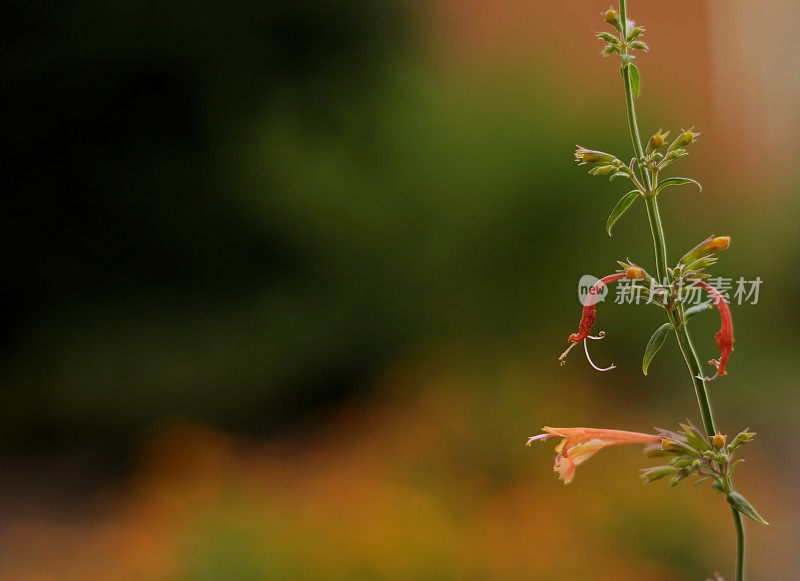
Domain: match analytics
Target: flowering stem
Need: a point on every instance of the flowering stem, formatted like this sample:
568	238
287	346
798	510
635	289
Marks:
676	314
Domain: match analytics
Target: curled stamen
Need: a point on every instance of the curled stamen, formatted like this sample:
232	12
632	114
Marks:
589	359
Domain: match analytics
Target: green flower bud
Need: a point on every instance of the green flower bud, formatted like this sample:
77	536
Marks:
741	438
682	462
685	138
602	170
707	247
612	17
656	141
583	155
658	472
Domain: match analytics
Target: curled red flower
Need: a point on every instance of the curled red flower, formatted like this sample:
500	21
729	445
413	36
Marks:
723	337
588	318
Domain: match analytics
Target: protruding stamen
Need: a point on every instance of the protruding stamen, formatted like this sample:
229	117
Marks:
565	353
539	437
589	359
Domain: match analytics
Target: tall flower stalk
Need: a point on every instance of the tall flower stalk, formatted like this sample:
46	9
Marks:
705	454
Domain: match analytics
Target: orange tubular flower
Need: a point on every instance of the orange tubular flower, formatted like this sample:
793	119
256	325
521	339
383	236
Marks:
588	317
580	444
723	337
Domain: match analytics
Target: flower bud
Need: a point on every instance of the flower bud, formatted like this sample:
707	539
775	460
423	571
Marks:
612	17
670	445
707	247
634	273
656	141
652	474
682	462
583	155
718	440
686	138
602	170
741	438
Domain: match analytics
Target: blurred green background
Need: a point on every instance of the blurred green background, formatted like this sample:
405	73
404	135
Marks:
287	281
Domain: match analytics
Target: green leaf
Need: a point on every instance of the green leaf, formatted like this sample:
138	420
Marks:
677	182
621	207
654	344
635	80
626	59
692	311
741	504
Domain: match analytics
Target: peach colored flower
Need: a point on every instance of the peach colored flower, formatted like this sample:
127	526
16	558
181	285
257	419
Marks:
580	444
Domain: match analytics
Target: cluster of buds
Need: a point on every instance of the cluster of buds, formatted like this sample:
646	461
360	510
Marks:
621	44
656	160
694	454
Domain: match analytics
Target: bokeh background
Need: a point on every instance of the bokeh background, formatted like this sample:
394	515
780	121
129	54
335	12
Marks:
286	282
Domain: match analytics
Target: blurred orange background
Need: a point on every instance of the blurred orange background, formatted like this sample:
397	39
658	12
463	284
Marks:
298	322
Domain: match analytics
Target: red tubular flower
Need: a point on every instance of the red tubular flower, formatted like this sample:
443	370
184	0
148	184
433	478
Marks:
580	444
588	318
723	337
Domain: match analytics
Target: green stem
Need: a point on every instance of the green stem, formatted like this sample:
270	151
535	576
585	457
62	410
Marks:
659	242
633	125
737	521
676	314
695	370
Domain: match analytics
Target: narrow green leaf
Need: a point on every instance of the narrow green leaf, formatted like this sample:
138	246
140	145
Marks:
654	344
692	311
741	504
677	182
734	465
635	80
621	207
626	59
